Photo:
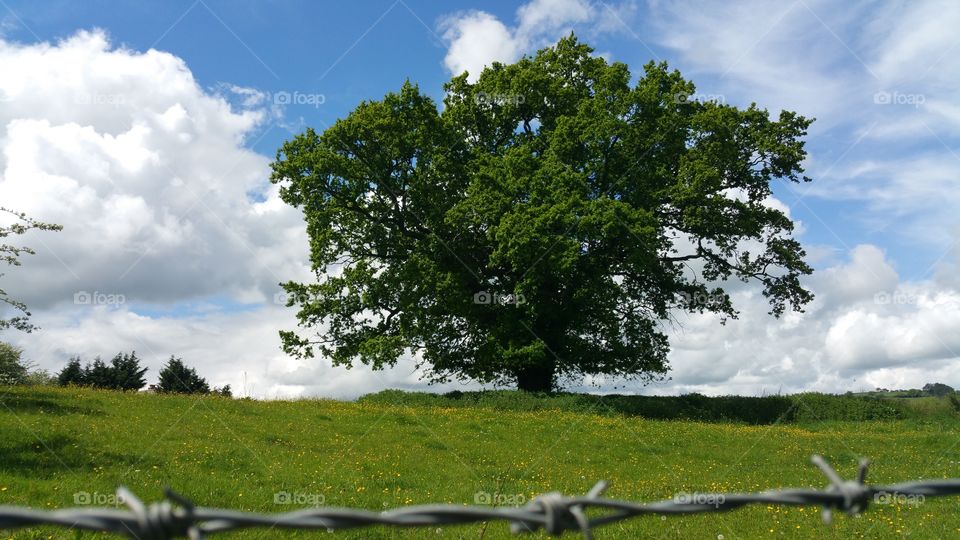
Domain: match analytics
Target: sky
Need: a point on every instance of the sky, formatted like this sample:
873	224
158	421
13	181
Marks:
147	130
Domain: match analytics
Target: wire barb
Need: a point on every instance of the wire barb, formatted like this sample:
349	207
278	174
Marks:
856	494
175	516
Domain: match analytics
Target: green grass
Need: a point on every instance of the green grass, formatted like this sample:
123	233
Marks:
394	449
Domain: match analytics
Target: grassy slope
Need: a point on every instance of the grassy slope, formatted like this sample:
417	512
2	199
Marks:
238	454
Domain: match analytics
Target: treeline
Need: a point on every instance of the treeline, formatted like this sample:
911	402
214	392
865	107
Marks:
125	373
928	390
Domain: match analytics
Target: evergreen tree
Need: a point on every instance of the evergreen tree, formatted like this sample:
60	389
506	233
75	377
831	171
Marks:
72	373
127	373
175	376
98	374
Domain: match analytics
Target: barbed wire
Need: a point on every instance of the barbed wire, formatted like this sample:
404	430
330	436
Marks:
177	517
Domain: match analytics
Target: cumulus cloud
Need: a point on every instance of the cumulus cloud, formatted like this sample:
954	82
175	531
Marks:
866	328
147	171
476	38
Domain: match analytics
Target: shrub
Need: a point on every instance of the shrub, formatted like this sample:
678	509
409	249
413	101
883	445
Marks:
937	389
12	368
40	377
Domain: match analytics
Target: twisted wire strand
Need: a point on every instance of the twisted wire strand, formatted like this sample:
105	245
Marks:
177	517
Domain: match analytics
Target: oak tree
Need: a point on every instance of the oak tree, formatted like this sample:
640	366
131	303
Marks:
543	223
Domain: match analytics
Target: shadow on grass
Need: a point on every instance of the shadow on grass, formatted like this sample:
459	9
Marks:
39	402
47	457
808	407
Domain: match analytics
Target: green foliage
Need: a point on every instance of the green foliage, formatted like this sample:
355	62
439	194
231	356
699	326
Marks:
176	377
937	389
40	377
928	407
10	254
542	226
123	373
954	402
815	407
12	368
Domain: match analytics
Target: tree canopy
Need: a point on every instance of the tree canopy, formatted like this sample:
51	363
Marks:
543	224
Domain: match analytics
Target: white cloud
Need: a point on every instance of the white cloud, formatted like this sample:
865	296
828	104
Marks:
146	171
865	327
240	349
879	77
917	41
476	38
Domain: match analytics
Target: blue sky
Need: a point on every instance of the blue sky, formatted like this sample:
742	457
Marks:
348	52
878	219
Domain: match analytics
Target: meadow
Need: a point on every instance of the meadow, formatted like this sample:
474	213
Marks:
64	447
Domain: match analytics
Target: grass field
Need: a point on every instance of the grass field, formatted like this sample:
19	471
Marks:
63	446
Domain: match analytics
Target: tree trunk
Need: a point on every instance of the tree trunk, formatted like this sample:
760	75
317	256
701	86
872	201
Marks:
538	377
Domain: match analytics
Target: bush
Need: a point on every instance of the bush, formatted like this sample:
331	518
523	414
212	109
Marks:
40	377
954	402
12	368
937	389
813	407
